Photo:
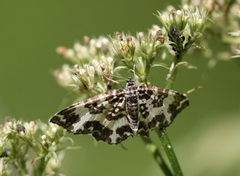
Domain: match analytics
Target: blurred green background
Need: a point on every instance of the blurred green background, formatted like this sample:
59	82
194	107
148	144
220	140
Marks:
205	135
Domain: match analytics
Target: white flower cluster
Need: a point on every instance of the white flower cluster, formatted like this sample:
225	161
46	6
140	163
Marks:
17	137
97	60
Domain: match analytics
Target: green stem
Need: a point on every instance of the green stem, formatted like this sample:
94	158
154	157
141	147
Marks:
18	157
173	72
152	148
162	134
170	82
43	163
19	169
41	166
38	170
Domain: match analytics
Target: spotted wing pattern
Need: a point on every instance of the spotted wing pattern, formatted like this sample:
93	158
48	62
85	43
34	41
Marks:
113	116
158	107
103	116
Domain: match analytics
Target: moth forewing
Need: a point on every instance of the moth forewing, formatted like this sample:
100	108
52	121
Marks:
113	116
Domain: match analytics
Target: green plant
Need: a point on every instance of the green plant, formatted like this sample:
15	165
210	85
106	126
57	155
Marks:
182	33
101	58
31	147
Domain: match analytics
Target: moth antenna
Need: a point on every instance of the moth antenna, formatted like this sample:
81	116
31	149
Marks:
191	90
133	70
104	75
111	75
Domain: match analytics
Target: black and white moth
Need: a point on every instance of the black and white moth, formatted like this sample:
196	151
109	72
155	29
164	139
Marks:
113	116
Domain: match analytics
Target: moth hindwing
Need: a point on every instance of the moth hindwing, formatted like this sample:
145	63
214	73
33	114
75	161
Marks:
114	116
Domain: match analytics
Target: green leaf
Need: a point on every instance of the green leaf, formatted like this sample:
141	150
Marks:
198	35
101	87
54	156
186	64
121	68
160	65
70	139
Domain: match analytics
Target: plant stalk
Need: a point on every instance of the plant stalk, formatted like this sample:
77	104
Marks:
162	134
152	148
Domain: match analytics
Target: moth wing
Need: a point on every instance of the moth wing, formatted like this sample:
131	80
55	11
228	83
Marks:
93	116
158	107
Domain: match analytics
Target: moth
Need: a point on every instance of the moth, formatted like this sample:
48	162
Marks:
117	114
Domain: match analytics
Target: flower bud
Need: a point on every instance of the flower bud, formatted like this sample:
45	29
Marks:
9	119
61	50
76	66
69	53
31	124
54	130
129	39
103	66
105	41
98	45
44	137
92	69
110	61
77	47
86	40
119	35
82	71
